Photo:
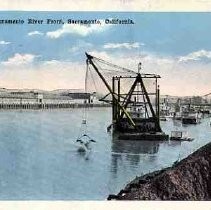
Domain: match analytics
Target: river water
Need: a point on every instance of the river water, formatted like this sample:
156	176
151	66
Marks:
39	158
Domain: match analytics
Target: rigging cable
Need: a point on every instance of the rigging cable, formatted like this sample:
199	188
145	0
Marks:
83	128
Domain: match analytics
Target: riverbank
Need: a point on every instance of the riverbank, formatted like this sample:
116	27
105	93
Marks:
35	106
189	179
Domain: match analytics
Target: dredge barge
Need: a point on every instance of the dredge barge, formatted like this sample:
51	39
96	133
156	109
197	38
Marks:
135	109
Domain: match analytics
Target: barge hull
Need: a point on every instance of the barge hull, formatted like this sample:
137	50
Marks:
143	136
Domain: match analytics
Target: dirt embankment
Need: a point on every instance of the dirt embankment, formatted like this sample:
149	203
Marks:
189	179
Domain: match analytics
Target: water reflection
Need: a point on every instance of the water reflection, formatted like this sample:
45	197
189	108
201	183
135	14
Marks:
128	154
174	143
84	154
135	147
177	123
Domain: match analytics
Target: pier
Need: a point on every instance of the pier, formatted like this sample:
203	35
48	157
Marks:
20	99
48	106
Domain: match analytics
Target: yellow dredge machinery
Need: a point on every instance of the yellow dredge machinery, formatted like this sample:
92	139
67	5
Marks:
135	111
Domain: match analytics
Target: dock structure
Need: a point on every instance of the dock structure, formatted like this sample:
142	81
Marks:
136	109
7	106
34	100
188	109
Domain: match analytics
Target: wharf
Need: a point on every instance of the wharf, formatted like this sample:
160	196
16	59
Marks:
8	106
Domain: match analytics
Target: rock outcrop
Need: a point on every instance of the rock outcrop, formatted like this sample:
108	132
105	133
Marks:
189	179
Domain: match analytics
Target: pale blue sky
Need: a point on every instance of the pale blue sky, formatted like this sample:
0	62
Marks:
164	33
182	37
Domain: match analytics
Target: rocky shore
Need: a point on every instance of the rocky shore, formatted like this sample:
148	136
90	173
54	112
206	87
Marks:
189	179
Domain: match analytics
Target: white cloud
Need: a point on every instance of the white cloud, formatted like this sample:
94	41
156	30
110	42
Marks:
74	49
51	62
131	60
32	33
176	78
195	56
79	29
19	59
47	75
77	48
4	42
126	45
100	54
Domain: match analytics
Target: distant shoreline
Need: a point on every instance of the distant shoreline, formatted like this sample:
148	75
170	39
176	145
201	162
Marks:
36	106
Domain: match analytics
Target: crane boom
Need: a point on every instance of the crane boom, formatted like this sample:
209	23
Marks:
90	60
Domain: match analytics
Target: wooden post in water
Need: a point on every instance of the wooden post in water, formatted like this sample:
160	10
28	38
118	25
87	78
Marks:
118	109
113	101
158	104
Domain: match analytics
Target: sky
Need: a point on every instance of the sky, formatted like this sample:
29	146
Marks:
52	56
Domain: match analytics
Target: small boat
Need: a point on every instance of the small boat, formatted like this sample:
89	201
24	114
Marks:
191	118
180	136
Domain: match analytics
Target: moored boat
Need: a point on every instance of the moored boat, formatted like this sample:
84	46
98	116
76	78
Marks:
180	136
191	118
